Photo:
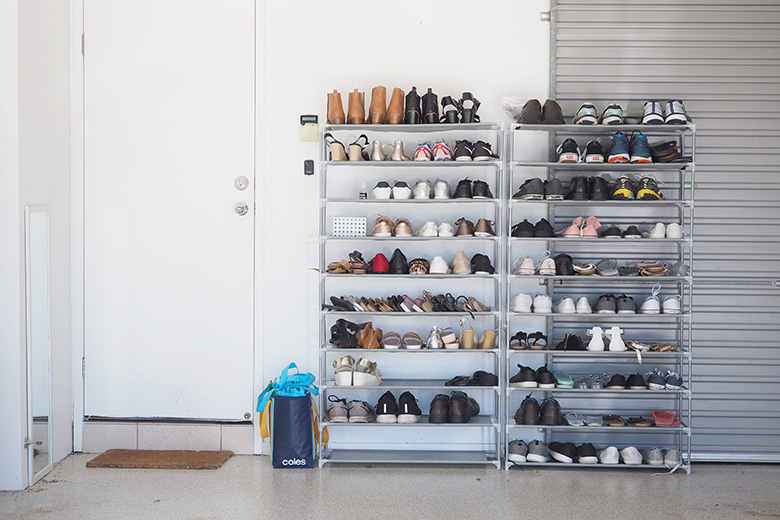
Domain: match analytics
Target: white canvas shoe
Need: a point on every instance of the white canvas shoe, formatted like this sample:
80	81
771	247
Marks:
583	306
446	230
439	266
597	339
659	231
546	266
523	266
422	190
542	304
441	189
672	305
566	306
609	455
521	303
428	229
674	231
631	456
652	305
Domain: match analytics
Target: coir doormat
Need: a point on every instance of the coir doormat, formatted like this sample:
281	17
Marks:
160	459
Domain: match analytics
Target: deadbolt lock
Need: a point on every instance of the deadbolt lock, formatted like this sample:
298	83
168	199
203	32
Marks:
241	183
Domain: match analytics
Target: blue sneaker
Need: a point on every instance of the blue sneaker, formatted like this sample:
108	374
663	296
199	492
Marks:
640	149
586	115
612	115
673	381
618	151
676	113
656	381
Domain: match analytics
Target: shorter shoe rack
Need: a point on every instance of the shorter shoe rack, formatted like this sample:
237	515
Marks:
347	196
525	337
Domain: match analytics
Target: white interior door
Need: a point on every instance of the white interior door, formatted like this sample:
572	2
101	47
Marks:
169	127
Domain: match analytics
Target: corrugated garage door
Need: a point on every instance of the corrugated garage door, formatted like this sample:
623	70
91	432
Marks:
723	59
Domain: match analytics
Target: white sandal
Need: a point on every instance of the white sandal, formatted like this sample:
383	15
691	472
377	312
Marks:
343	370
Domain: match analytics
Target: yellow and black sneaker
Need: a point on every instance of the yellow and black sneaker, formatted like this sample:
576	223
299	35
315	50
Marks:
623	189
648	189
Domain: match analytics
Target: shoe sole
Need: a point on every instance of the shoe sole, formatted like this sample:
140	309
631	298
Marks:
408	419
553	197
338	419
531	196
626	312
544	272
619	158
605	312
653	119
382	234
656	386
587	120
640	159
588	460
561	457
612	120
525	384
547	385
485	158
637	388
463	158
611	236
516	458
386	419
568	158
537	458
353	420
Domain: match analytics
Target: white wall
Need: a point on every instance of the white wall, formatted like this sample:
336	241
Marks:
501	49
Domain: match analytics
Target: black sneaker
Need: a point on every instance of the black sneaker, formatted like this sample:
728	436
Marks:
543	229
613	231
599	189
573	342
636	382
531	189
623	189
586	454
526	378
523	230
647	189
594	152
440	409
480	264
632	232
481	190
463	150
483	152
463	190
551	113
531	114
617	382
553	190
564	265
578	189
550	412
387	408
528	413
564	452
568	151
408	411
545	378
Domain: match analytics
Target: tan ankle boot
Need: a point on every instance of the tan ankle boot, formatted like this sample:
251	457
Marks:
376	112
356	112
335	108
395	110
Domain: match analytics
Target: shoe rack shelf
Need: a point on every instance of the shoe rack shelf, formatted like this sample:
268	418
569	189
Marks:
422	372
531	152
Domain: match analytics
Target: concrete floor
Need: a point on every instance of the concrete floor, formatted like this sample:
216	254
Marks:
247	487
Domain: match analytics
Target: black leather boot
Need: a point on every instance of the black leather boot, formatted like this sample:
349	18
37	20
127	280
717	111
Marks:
430	105
412	113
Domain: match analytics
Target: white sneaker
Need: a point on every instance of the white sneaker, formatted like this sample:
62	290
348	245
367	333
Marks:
616	343
446	230
382	191
439	266
672	457
659	231
565	306
428	230
674	230
423	152
609	455
520	303
651	305
401	191
583	306
672	305
631	456
422	190
441	152
523	266
542	304
546	267
597	339
441	189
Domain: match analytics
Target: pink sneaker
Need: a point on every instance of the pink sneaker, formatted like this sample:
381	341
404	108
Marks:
573	230
591	228
441	152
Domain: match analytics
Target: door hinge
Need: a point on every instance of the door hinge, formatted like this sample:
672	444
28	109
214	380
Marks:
82	44
83	369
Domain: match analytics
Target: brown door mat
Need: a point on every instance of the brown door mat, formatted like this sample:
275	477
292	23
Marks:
160	459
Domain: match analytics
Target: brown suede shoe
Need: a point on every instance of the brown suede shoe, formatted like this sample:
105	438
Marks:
465	228
395	110
484	228
335	108
376	112
356	112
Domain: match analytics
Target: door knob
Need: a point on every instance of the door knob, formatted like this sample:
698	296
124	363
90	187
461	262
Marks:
241	183
242	209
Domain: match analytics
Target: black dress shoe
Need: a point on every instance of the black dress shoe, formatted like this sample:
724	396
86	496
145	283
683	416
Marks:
398	263
430	106
481	190
543	229
440	409
563	265
599	189
481	264
578	189
523	230
412	113
531	114
449	110
551	113
463	190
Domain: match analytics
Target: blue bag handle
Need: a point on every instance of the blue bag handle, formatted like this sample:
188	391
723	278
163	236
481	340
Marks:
295	385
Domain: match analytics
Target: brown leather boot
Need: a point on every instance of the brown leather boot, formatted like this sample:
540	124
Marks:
356	112
395	110
335	108
376	112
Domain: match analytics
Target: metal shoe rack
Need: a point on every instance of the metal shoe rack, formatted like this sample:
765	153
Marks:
532	154
422	372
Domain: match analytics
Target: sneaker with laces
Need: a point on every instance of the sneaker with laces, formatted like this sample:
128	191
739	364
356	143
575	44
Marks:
387	409
408	410
361	412
612	115
656	380
463	190
619	150
542	304
631	456
463	150
672	305
672	457
531	189
483	152
586	115
653	113
651	305
428	229
481	190
594	152
537	452
382	191
640	149
632	232
423	152
613	231
523	266
647	189
553	190
517	451
676	113
441	152
338	412
546	267
568	152
446	230
401	190
625	305
564	452
609	455
673	381
441	190
422	190
586	454
523	229
623	189
606	304
521	303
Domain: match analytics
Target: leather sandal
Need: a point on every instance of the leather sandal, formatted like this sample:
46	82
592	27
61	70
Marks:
412	341
518	341
614	420
358	264
539	341
343	370
391	341
374	340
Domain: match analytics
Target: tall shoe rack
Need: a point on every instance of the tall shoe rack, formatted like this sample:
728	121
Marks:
525	151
